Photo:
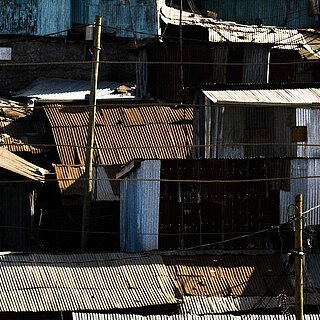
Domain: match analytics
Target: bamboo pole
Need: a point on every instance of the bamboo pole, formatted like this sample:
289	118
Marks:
90	139
298	263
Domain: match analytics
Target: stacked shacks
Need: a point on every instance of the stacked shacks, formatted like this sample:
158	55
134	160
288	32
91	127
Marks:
207	173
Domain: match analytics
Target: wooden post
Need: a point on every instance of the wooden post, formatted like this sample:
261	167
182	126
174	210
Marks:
298	263
90	139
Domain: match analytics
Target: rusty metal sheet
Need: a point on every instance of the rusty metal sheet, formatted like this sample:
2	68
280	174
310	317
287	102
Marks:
226	275
122	133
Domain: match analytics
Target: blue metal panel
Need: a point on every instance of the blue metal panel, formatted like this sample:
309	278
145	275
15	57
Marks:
54	16
34	17
139	208
291	14
124	18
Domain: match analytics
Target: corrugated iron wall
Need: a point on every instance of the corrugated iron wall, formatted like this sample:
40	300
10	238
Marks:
16	212
35	17
196	212
139	208
309	118
128	19
165	79
256	68
302	171
291	14
255	131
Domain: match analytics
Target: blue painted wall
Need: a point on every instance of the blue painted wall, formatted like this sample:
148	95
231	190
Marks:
34	17
124	18
139	208
286	13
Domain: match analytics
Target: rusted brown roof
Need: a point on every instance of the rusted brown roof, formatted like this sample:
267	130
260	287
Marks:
123	133
18	145
229	275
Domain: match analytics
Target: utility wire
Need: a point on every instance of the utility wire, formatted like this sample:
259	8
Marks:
65	106
227	181
195	63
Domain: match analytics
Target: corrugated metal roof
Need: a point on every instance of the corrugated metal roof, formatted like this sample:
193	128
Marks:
18	145
97	316
25	134
67	89
123	133
225	275
294	97
75	282
201	305
70	182
227	31
16	164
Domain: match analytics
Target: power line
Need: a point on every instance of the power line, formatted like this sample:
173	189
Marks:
195	63
20	143
65	106
227	181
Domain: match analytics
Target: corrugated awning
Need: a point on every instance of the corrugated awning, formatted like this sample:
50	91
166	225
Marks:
16	164
66	89
290	97
232	32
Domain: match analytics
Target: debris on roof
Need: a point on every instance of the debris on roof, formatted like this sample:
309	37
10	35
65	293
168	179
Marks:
13	109
16	164
66	89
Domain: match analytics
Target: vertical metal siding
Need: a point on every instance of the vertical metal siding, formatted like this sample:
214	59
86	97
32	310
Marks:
19	18
139	208
253	132
311	119
126	19
166	78
54	16
16	207
35	17
302	171
256	67
144	17
291	14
